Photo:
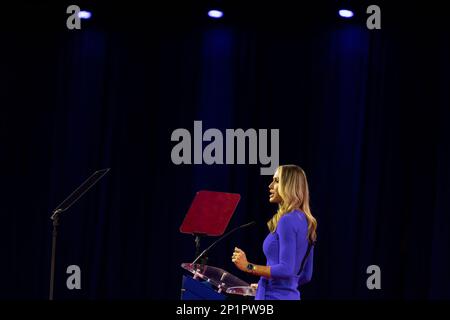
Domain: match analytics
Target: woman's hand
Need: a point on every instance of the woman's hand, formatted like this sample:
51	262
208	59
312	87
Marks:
239	259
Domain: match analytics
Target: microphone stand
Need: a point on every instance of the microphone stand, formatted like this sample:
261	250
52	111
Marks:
69	201
197	247
55	218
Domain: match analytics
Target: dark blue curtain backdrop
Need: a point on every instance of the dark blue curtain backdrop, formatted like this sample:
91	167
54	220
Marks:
365	113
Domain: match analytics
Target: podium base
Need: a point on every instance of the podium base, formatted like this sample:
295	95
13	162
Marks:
192	289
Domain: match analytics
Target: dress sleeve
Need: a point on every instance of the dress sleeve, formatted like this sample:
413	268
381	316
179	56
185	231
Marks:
306	274
287	256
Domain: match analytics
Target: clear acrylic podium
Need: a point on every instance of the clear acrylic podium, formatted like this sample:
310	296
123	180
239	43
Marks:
209	215
212	283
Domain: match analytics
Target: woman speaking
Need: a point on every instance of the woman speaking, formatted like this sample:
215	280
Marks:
289	246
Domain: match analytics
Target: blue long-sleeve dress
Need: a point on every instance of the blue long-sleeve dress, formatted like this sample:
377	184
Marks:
284	250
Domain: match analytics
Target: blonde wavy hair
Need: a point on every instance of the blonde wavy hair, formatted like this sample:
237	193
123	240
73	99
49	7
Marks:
294	193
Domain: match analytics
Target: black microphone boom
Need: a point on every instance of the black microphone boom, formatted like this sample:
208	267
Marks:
215	242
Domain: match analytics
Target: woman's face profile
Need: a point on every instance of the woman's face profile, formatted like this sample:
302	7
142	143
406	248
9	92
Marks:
274	196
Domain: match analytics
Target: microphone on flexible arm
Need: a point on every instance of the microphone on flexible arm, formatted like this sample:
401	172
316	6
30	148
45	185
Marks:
215	242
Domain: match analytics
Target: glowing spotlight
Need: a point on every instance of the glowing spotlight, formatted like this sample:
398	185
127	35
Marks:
344	13
84	14
216	14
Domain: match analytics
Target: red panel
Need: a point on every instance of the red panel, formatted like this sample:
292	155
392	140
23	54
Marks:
210	213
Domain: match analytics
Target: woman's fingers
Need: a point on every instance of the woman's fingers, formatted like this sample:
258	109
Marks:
235	256
238	252
238	255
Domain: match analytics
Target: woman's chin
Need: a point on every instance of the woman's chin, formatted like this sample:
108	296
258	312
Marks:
274	200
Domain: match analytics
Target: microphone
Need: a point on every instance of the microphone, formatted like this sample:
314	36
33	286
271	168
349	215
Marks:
215	242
